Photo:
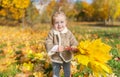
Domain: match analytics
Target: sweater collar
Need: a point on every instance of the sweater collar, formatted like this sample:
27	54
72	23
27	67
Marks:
57	32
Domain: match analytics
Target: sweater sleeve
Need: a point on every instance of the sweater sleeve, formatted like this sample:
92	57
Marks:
50	47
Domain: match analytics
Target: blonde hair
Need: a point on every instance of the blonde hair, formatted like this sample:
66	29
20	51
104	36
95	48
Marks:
57	13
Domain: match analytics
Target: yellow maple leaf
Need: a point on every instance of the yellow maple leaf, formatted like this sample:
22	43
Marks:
94	54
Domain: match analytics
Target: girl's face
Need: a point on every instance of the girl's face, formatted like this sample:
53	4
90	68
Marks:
59	23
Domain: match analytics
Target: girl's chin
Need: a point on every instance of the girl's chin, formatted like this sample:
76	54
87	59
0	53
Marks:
60	30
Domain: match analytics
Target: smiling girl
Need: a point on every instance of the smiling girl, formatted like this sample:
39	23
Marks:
60	37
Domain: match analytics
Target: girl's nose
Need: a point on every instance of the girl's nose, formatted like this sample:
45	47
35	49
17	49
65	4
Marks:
59	24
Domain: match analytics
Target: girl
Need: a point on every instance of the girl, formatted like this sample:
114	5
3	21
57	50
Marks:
60	37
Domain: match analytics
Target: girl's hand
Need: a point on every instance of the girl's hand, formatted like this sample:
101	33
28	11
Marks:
68	48
72	48
60	48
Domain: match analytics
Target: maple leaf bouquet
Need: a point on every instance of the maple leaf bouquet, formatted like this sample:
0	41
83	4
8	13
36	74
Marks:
95	55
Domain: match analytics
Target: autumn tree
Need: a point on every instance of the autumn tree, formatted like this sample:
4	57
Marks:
51	7
101	10
87	10
32	15
78	7
106	10
114	9
84	11
13	8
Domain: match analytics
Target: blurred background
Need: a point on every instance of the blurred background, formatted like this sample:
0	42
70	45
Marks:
24	25
31	12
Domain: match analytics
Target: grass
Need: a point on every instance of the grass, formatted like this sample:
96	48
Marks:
109	35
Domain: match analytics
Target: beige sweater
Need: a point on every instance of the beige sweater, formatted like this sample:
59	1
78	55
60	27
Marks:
64	38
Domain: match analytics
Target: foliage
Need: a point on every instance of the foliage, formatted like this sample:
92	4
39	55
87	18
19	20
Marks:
114	8
87	10
88	56
98	10
106	9
23	50
13	8
101	9
46	16
32	15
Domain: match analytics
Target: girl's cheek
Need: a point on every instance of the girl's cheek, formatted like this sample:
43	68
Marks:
55	26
